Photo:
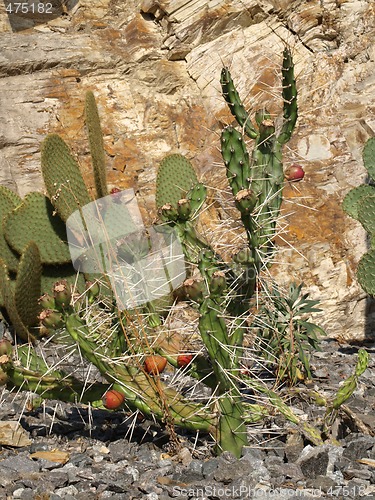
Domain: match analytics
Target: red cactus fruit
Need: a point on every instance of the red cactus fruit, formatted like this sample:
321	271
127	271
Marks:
294	173
113	399
115	193
155	364
184	360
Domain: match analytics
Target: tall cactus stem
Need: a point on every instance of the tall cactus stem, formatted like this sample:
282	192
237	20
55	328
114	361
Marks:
234	102
95	136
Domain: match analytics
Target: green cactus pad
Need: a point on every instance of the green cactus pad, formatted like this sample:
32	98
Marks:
366	272
366	212
8	201
27	290
14	197
354	196
175	177
368	155
34	220
62	177
197	196
9	303
96	145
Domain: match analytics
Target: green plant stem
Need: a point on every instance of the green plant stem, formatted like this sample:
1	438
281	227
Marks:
145	393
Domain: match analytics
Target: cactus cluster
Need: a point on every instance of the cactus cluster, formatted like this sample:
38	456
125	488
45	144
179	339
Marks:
132	347
257	180
34	227
34	253
359	203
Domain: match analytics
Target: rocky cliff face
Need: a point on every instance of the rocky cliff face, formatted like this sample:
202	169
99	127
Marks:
154	67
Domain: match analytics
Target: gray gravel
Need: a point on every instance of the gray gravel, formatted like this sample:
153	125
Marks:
103	462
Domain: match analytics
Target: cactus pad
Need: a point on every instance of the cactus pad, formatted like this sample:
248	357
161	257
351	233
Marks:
366	212
368	155
366	272
51	274
9	303
62	177
27	290
351	200
176	176
8	201
197	196
34	220
96	144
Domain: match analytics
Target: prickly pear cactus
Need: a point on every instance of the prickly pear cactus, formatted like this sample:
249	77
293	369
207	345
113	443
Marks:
176	176
62	177
8	202
21	301
124	344
359	203
28	285
34	220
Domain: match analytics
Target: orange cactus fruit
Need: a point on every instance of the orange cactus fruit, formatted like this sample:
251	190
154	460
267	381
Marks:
184	360
113	399
155	364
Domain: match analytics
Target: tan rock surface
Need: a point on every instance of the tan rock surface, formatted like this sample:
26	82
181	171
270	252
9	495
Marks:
154	67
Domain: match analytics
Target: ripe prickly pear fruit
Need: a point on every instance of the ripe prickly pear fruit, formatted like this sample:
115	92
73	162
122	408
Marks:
112	399
62	294
184	360
155	364
294	173
5	347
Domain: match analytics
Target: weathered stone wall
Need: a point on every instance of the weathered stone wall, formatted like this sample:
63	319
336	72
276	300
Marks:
154	67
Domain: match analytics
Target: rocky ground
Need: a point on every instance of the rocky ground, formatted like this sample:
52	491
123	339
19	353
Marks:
73	453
